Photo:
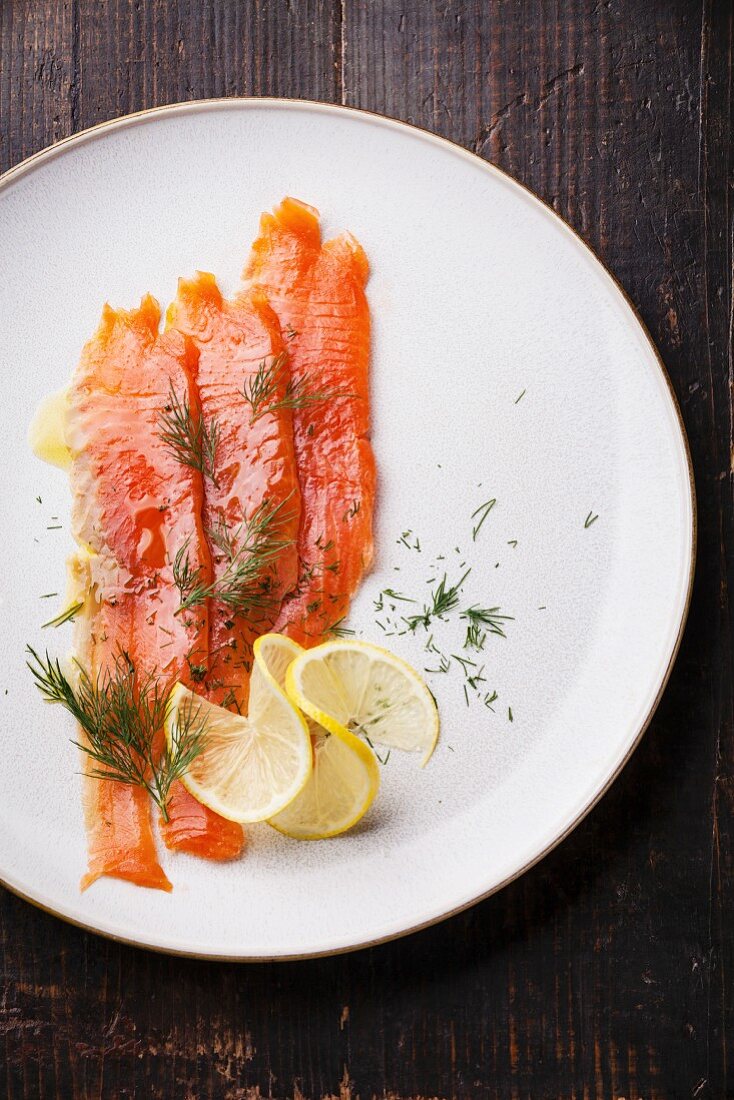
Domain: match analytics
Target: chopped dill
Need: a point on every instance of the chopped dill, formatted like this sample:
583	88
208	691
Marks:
475	637
519	399
482	512
340	631
591	518
393	595
66	616
444	666
489	617
443	599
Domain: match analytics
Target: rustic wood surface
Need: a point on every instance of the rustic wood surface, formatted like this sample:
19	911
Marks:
607	971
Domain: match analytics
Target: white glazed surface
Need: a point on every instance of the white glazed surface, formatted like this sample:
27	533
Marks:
478	292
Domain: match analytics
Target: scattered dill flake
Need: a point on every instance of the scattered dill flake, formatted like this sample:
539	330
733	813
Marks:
39	500
520	397
54	527
369	742
393	595
466	695
444	599
512	543
47	595
475	637
450	748
444	666
509	714
476	679
591	518
542	607
490	617
66	616
482	512
489	699
340	631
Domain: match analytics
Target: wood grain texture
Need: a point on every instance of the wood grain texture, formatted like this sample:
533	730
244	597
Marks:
608	970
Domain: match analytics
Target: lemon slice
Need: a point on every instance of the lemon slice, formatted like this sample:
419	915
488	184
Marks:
251	766
364	689
345	776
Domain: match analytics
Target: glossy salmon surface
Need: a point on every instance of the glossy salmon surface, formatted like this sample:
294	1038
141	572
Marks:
134	507
317	291
252	505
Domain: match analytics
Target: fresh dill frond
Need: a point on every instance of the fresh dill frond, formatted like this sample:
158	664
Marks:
191	441
120	715
489	617
66	616
246	584
482	512
261	391
185	577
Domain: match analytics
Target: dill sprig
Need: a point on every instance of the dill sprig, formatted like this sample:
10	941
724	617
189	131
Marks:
65	616
120	715
192	442
591	518
489	617
261	391
444	598
249	550
185	576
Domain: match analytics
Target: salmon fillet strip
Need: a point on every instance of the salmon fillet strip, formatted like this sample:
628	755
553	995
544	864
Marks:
134	506
255	466
318	294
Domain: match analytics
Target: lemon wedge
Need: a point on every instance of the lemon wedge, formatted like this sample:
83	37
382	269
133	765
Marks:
251	766
360	688
345	776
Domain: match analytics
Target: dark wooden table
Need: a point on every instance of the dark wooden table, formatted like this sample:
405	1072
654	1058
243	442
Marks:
608	970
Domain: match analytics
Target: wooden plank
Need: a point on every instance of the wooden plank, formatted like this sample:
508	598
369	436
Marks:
37	80
606	971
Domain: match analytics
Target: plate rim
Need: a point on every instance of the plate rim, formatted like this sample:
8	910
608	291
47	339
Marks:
242	102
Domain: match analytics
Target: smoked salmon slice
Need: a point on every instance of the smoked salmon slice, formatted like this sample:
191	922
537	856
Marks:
134	507
252	506
318	294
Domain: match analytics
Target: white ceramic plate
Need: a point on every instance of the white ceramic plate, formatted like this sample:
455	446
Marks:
479	293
